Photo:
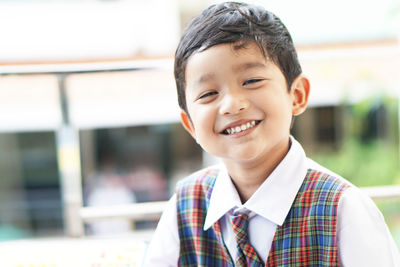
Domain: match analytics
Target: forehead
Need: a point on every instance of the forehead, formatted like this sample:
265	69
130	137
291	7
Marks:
224	59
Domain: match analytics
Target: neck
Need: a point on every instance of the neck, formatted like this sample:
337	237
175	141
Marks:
248	176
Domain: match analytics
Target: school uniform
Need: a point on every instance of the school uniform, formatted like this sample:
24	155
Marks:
302	215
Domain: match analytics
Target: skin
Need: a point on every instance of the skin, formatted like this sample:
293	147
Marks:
228	88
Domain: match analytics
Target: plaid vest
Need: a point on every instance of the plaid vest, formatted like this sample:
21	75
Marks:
306	238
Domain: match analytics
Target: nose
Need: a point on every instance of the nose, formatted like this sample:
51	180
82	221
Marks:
233	102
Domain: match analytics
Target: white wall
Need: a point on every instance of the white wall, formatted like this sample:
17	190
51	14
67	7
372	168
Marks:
43	31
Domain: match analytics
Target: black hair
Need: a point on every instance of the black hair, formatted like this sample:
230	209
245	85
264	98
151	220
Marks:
239	24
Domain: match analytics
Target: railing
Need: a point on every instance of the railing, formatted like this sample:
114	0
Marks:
134	211
382	193
153	210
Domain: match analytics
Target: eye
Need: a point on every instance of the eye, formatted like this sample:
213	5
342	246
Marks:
208	94
251	81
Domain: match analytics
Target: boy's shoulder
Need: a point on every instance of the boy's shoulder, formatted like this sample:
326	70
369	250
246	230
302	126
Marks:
331	181
353	197
325	172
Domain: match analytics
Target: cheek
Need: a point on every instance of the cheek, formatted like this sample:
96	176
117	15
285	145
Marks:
202	122
278	109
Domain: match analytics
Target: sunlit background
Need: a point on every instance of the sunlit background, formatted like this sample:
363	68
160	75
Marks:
89	117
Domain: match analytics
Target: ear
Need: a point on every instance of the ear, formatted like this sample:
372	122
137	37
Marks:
300	91
187	123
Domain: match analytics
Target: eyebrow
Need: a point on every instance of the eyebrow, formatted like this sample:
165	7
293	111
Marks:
238	68
248	65
204	78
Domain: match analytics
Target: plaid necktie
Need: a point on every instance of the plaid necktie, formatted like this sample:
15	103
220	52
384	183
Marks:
247	256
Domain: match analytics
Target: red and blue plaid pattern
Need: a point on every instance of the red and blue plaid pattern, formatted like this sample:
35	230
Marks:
199	247
306	238
308	235
247	256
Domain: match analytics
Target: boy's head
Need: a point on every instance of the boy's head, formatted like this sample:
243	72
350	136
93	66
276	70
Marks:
239	24
239	83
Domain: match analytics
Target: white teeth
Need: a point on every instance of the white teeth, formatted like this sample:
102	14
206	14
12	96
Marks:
240	128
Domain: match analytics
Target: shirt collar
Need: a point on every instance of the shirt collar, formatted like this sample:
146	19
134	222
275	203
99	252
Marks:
272	200
223	198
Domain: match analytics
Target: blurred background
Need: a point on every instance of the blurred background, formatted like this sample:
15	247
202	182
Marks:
90	140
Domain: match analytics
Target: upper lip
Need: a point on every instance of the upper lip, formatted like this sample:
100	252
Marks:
237	123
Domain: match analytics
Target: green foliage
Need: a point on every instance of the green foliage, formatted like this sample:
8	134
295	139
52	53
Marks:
364	164
360	110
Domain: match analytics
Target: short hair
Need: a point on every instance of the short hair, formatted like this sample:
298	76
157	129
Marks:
239	24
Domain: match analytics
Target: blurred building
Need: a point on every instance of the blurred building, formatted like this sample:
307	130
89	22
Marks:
88	101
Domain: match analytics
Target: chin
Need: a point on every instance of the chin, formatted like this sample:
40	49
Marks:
242	157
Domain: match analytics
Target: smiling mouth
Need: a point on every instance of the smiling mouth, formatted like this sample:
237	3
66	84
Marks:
240	128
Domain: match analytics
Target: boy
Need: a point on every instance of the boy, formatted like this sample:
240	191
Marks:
239	85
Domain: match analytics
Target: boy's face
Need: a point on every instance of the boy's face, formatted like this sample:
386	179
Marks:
239	105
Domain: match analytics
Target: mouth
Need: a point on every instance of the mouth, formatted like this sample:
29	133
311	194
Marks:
240	127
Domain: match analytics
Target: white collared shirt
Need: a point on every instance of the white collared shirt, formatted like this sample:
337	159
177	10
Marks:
362	235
